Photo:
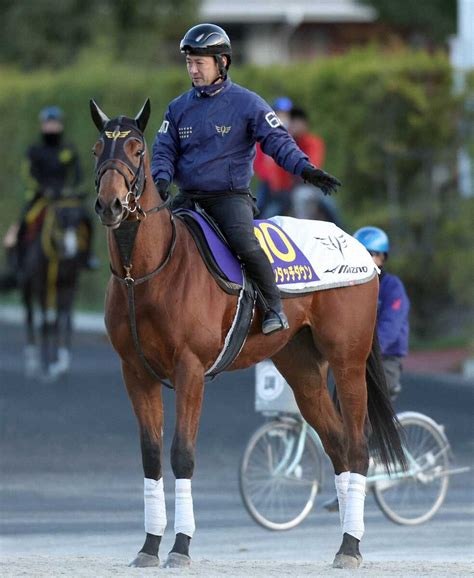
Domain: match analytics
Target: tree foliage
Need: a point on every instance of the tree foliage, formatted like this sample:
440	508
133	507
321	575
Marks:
48	33
433	19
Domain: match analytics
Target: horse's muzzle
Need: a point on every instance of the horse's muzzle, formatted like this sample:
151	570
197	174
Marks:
110	214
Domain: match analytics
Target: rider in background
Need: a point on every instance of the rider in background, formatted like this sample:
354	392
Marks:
206	143
392	317
309	202
51	170
393	308
275	184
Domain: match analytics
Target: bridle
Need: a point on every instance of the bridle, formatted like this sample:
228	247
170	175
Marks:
122	130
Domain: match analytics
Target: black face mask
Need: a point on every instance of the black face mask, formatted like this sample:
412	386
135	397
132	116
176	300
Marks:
52	139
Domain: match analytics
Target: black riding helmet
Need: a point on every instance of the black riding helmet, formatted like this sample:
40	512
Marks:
209	40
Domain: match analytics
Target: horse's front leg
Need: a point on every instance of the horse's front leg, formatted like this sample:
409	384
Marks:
31	353
189	384
145	395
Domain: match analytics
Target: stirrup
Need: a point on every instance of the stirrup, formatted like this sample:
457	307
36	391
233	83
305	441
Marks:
274	321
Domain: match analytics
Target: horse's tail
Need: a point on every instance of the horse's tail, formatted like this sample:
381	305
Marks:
385	436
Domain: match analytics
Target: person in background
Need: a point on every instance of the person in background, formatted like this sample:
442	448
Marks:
51	170
275	184
392	316
393	308
309	143
310	202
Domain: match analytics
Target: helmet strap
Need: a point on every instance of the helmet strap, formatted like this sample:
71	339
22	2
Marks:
221	67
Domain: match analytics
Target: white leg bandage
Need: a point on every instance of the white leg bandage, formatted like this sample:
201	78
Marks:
155	508
184	514
354	515
342	485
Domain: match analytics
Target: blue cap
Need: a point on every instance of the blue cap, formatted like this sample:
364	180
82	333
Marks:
373	239
282	103
51	113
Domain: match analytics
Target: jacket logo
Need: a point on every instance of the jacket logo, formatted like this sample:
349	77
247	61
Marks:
223	130
116	134
185	131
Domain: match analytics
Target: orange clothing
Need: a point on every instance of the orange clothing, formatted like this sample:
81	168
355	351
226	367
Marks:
269	172
314	147
278	179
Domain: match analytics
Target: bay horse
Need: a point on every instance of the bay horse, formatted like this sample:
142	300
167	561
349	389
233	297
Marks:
162	296
53	259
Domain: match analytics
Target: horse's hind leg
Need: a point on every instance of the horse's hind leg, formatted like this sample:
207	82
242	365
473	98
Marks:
145	395
351	484
306	371
345	337
303	367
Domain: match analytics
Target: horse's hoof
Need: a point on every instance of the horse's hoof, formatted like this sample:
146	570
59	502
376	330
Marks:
176	560
144	561
344	561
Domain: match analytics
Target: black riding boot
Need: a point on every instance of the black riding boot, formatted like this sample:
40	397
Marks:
234	215
261	272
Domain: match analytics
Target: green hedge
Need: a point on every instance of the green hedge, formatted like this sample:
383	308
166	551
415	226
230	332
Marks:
384	117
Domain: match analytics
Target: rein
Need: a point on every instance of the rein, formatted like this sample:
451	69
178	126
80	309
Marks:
125	239
126	233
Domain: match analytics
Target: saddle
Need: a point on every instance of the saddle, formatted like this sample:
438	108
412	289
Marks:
214	250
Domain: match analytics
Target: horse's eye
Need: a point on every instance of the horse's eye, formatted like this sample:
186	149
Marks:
139	153
94	154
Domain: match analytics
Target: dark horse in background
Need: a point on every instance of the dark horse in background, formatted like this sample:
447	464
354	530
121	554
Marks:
166	296
52	262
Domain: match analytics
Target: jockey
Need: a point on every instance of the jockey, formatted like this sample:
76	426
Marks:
206	144
51	170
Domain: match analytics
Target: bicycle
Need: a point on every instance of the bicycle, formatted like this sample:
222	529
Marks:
281	471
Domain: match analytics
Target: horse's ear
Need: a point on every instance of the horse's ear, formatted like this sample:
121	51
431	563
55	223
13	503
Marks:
100	118
143	116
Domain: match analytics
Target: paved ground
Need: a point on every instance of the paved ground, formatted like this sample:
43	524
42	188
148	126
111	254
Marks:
71	480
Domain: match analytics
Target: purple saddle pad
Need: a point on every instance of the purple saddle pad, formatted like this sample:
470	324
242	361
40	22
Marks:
225	259
275	242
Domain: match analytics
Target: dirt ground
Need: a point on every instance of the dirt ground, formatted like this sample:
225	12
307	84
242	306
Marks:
93	567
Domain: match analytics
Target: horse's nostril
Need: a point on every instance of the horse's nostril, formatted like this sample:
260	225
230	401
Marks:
98	206
108	210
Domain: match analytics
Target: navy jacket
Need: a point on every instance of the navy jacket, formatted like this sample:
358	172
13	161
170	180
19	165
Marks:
392	317
207	143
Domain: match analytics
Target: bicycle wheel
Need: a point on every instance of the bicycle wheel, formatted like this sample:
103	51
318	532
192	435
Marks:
280	474
414	496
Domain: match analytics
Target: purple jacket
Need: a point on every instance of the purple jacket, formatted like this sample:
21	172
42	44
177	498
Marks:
392	317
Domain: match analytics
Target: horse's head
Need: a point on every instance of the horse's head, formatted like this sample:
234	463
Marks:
120	156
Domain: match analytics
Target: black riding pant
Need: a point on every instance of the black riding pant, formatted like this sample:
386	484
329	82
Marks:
234	215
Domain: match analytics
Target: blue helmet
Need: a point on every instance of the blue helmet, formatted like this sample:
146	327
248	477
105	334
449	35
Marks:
373	239
51	113
282	103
